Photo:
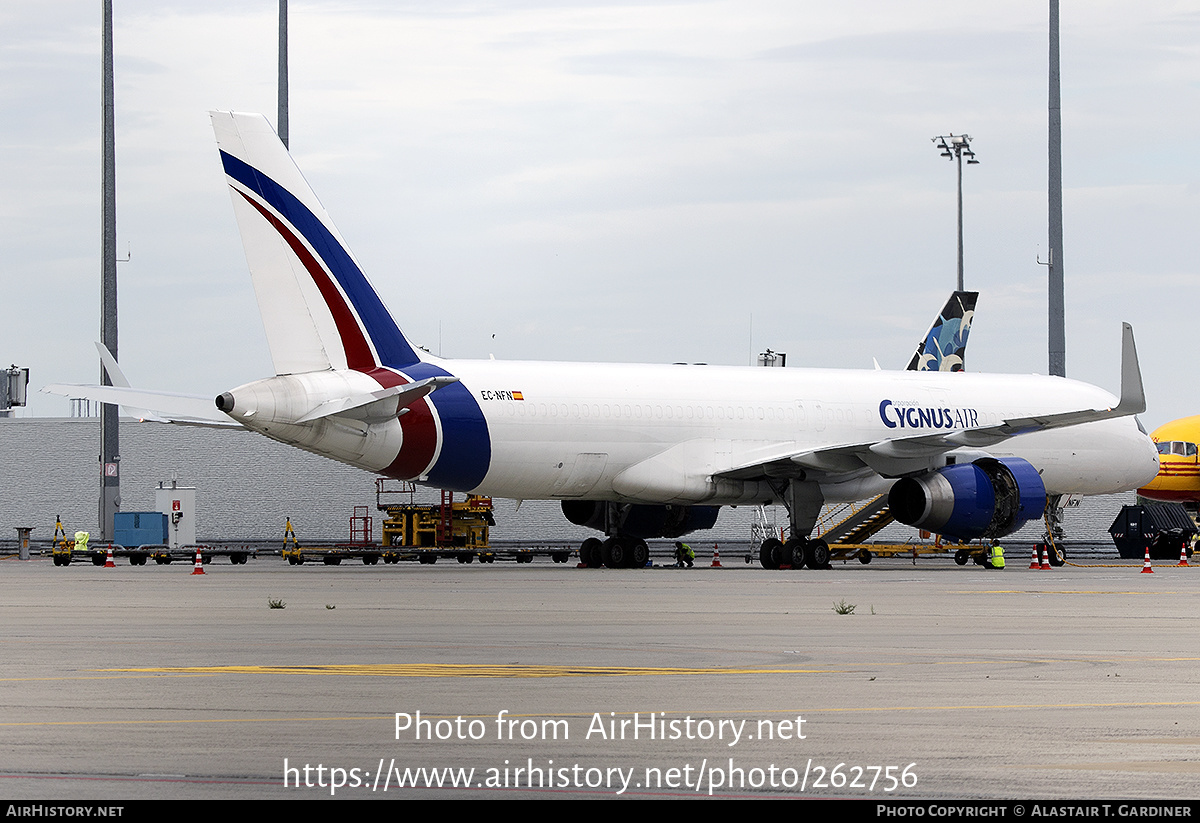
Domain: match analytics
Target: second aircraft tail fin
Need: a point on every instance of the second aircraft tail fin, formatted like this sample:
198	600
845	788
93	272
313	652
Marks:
944	346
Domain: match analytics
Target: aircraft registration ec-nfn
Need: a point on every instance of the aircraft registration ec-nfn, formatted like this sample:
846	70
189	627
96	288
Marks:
638	451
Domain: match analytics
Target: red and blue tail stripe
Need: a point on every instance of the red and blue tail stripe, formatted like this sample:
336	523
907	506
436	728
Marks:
365	311
446	441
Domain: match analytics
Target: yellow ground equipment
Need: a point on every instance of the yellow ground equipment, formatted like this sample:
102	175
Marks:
448	525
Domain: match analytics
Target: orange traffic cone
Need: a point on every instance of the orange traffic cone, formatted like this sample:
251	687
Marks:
1045	557
1182	555
199	567
716	564
1033	561
108	561
1146	568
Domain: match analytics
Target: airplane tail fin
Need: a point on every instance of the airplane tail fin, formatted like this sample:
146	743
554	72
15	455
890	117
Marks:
944	346
319	310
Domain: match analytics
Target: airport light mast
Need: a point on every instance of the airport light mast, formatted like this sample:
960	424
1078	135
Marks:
110	479
954	146
281	122
1057	333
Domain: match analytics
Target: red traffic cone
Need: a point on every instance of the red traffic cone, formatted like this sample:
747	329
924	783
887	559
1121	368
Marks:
716	564
199	567
1033	561
1045	557
108	561
1182	555
1146	568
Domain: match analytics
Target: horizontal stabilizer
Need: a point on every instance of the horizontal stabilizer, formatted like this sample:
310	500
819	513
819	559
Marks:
359	406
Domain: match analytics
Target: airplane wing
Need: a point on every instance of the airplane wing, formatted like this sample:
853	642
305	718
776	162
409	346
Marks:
168	407
900	455
153	406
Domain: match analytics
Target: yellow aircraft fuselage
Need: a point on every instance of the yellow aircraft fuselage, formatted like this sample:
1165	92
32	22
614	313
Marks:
1178	478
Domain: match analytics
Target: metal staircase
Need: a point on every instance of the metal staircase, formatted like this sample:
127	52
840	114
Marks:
853	523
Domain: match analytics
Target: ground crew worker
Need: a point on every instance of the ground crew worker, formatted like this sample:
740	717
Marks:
684	554
996	557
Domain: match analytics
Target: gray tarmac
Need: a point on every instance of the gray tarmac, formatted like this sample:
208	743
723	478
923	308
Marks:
944	682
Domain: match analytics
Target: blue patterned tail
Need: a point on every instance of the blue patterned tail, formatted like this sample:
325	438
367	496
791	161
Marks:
944	347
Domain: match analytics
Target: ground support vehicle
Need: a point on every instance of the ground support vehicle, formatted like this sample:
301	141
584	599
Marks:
66	552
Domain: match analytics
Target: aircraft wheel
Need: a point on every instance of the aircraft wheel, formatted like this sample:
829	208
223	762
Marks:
865	556
639	554
816	554
792	553
961	557
1058	554
614	553
768	553
589	552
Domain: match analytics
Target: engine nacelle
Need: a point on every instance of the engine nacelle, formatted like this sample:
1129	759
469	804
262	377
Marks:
640	520
987	498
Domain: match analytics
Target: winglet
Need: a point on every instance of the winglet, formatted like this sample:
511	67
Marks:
1133	396
115	375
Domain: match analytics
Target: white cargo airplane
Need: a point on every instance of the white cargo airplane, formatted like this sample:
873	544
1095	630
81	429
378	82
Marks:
639	451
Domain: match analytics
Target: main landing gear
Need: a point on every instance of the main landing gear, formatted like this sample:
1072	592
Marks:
617	552
803	499
796	553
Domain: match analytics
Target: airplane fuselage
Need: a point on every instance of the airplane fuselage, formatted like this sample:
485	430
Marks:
666	433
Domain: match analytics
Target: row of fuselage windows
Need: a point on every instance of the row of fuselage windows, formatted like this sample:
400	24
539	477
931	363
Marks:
645	411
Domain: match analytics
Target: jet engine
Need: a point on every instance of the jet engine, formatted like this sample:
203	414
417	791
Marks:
640	520
986	498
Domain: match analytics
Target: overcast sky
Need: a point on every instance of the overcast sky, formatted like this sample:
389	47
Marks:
638	181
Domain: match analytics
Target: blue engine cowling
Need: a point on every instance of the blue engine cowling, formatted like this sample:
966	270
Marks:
640	520
987	498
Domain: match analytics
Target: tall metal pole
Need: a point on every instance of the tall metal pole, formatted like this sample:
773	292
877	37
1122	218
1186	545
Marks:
1057	303
960	233
282	120
110	480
